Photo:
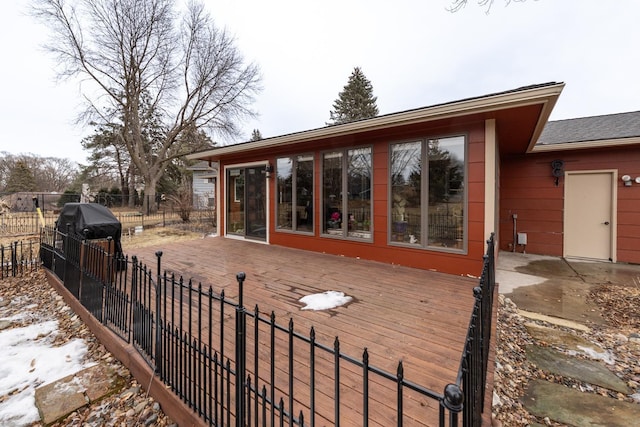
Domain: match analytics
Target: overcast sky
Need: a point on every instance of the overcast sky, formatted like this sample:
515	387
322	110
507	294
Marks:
414	52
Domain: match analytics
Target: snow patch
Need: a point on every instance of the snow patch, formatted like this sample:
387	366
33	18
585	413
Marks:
325	300
496	400
29	360
605	356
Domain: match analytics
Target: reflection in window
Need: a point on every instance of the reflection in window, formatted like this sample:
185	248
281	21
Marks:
235	202
359	191
294	207
304	193
285	193
441	209
406	180
332	193
446	192
347	173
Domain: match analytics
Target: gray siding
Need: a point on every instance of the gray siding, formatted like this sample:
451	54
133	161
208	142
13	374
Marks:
203	190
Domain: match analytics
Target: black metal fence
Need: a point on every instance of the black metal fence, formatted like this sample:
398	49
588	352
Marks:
472	375
237	366
30	223
18	257
24	223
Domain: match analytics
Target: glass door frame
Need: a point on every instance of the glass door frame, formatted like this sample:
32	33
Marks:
230	192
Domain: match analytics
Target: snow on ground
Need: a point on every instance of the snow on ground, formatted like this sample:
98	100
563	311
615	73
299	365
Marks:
29	360
325	300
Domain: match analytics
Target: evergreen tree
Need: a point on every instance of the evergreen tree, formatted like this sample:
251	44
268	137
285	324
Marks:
256	135
20	179
355	102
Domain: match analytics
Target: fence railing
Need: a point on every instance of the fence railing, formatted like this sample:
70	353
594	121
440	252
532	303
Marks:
470	386
29	223
238	366
18	257
24	223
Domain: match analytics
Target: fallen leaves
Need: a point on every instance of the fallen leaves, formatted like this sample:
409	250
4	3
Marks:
619	304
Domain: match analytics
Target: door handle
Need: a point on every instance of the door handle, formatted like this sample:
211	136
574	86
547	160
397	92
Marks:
606	223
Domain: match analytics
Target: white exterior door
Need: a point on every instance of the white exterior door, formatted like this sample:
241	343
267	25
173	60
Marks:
589	215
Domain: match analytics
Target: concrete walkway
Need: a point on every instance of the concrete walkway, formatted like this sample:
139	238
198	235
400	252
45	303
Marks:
555	291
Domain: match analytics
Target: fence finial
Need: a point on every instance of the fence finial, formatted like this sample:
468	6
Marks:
453	398
240	277
159	268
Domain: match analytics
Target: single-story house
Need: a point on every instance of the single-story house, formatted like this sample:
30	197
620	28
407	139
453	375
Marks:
204	184
423	188
576	193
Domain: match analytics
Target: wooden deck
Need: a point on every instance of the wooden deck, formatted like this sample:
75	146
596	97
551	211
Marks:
399	314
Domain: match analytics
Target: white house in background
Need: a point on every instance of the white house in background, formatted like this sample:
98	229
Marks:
204	184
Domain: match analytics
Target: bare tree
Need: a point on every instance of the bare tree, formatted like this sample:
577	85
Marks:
56	174
456	5
45	174
147	65
6	164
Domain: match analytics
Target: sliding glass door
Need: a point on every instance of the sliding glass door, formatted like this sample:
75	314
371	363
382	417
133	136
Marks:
247	202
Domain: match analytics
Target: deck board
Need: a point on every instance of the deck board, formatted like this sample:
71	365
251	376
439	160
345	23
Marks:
399	314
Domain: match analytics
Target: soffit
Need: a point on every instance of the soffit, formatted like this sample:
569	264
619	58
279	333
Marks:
520	117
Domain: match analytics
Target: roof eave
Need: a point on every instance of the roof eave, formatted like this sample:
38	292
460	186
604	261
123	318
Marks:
546	95
543	118
581	145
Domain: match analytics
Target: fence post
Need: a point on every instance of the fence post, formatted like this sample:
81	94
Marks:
158	354
85	259
66	251
453	402
54	239
134	297
14	259
241	354
110	259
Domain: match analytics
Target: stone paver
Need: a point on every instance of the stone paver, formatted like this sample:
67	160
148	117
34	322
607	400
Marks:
572	407
555	290
559	338
553	320
60	398
589	371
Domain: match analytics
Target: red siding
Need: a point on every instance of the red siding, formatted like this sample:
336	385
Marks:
528	189
379	249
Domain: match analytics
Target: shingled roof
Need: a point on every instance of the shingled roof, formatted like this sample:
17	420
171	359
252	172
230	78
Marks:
591	129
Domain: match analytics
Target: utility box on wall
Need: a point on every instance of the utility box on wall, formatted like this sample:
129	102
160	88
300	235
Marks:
522	238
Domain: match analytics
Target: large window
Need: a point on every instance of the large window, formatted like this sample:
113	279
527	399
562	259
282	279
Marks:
406	195
427	193
346	193
295	193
